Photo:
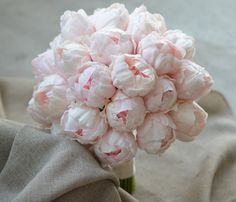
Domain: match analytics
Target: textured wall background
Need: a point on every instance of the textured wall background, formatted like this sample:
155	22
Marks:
27	26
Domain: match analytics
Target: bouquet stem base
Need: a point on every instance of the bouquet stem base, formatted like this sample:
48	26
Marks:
126	174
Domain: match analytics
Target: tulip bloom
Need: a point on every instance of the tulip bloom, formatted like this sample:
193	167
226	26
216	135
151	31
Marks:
115	148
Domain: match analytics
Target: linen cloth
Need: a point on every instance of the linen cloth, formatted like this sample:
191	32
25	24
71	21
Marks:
36	166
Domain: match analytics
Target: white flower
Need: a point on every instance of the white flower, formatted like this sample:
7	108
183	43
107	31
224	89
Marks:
189	119
162	97
107	43
75	25
143	23
182	41
115	16
132	75
156	134
115	148
50	96
125	113
84	124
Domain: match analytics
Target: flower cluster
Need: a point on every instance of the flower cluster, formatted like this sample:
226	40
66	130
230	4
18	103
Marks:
115	81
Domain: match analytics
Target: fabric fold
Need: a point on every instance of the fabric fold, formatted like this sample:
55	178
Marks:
41	167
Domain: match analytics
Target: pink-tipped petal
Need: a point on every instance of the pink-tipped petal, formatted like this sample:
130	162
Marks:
160	53
70	58
132	75
84	124
44	65
107	43
125	113
114	16
94	86
162	97
143	23
192	81
50	96
190	119
182	41
115	148
75	25
156	134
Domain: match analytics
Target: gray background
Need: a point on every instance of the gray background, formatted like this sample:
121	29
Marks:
27	27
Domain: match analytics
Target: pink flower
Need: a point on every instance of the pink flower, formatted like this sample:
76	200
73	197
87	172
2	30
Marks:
50	96
57	42
125	113
156	134
84	124
143	23
70	57
94	85
115	148
114	16
182	41
38	114
44	65
132	75
160	53
162	97
193	81
110	42
190	119
75	25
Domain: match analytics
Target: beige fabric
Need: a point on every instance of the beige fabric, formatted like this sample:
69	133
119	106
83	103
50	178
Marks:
38	167
203	170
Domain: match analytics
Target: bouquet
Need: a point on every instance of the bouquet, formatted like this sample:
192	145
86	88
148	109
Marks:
115	82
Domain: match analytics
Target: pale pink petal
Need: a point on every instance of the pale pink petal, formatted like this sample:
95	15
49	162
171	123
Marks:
192	81
115	148
94	85
114	16
143	23
44	65
38	114
84	124
156	134
160	53
70	57
50	96
162	97
125	113
132	75
190	119
75	25
182	41
107	43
